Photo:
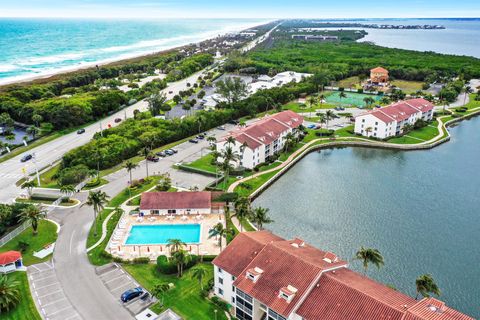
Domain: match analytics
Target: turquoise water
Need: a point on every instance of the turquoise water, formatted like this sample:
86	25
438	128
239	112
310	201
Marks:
351	99
32	47
160	234
419	208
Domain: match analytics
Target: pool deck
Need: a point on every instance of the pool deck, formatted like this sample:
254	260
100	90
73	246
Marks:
117	247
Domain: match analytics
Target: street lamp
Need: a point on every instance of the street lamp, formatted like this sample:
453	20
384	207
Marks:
34	160
215	313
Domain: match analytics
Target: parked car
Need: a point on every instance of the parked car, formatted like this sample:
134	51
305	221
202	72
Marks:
26	157
153	158
162	154
193	141
170	92
80	131
169	152
117	120
200	137
131	294
235	122
311	126
173	150
221	127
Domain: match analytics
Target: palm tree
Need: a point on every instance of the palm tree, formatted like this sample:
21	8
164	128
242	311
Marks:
145	152
29	185
220	232
175	245
33	131
199	273
368	131
290	141
369	101
33	214
9	293
159	290
426	285
328	116
311	101
321	97
230	140
67	190
242	210
260	217
228	155
129	165
368	255
181	258
97	200
468	90
342	95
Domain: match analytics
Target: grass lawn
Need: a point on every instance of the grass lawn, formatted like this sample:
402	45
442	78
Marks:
26	308
184	298
64	203
254	184
408	86
203	163
351	82
95	256
297	107
46	178
127	193
47	233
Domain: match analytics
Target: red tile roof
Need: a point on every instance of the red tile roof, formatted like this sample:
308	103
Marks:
401	110
9	257
433	309
284	263
240	252
318	289
346	295
379	70
176	200
268	129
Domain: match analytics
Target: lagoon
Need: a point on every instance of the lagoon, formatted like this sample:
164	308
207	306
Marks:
419	208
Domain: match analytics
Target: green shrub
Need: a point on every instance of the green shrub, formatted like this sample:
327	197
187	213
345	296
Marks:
73	175
106	255
141	260
166	266
324	132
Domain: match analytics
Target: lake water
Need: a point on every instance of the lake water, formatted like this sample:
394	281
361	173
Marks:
33	47
421	209
460	36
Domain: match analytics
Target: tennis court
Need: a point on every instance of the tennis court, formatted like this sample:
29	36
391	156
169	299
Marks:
351	99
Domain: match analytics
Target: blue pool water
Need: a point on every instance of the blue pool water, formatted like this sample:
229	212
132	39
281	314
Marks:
160	234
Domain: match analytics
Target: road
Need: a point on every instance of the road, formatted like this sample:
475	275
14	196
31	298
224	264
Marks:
81	285
12	170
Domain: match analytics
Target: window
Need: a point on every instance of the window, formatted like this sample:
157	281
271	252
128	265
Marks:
233	278
363	120
220	280
272	315
233	288
172	211
220	270
376	123
244	308
233	300
220	291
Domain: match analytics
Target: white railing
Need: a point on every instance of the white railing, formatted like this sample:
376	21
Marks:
14	233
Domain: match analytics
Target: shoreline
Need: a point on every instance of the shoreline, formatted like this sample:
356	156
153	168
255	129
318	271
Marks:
51	74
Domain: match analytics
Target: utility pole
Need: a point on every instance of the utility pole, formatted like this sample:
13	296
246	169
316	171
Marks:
34	156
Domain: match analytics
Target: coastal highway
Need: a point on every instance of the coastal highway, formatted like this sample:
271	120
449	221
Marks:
13	169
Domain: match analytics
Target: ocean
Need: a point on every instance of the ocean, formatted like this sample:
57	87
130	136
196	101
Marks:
37	47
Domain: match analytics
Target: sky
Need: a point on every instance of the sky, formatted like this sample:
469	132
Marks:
240	9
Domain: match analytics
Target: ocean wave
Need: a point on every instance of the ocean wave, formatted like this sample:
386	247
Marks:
51	59
8	67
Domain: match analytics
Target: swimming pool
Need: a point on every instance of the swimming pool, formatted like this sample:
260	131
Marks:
161	233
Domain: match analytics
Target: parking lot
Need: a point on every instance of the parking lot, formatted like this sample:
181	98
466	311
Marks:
117	282
48	294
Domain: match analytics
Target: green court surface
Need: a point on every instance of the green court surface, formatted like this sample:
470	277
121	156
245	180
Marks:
351	99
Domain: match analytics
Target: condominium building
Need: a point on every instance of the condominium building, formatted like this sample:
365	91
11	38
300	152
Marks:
266	277
264	138
389	121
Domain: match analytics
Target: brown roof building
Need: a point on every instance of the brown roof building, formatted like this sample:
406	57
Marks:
266	277
379	75
179	202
